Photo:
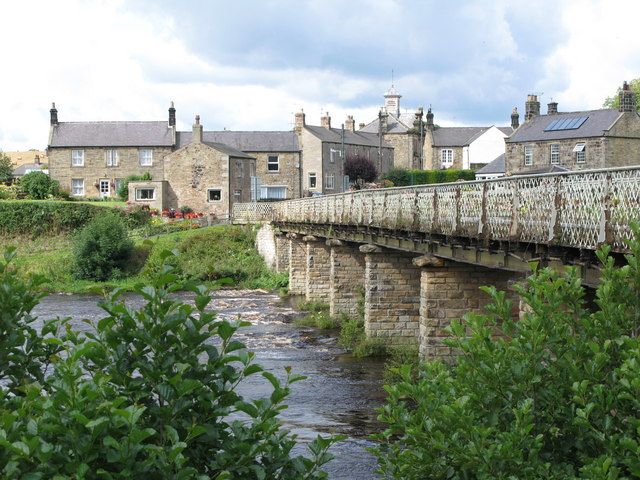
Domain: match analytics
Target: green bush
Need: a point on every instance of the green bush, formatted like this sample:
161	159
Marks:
36	218
102	249
402	177
150	393
123	190
8	192
38	185
555	395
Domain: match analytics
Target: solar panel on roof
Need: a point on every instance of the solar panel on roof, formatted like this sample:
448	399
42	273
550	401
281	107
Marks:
566	124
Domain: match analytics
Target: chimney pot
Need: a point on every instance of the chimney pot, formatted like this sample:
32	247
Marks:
53	115
515	118
350	124
172	115
197	131
552	108
325	121
531	107
627	99
430	125
299	121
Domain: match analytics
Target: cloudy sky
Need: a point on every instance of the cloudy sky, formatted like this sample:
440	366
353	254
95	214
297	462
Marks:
250	64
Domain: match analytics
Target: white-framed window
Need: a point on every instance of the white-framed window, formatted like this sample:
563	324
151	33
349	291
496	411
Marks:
239	169
145	193
312	180
273	163
77	158
446	157
145	156
214	195
77	187
554	153
112	158
580	151
528	155
334	153
329	182
274	192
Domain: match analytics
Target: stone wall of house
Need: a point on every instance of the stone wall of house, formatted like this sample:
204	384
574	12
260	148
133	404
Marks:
160	190
311	147
191	171
406	150
95	167
240	171
288	174
622	152
594	150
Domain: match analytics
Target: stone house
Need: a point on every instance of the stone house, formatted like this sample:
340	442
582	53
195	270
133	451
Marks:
206	176
324	150
405	132
575	140
462	147
277	155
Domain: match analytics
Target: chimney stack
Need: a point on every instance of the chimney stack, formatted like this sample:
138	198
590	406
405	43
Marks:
54	115
172	115
197	131
627	99
430	125
299	122
350	124
325	121
531	107
361	125
552	108
383	117
515	118
417	121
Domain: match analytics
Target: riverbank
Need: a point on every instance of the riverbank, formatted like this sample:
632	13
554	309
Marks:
219	255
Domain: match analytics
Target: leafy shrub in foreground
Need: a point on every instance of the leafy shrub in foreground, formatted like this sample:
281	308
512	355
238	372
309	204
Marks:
556	397
123	190
38	185
148	394
102	249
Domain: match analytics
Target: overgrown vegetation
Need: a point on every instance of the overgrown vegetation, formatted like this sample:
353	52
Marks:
6	168
123	189
401	177
556	395
102	249
150	393
317	316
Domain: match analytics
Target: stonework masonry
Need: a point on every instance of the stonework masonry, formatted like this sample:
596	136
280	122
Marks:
392	297
297	265
282	253
317	269
346	279
449	292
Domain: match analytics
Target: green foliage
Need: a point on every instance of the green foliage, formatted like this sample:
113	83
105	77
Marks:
38	185
614	102
6	168
353	338
123	190
556	395
8	192
402	177
102	249
147	394
318	316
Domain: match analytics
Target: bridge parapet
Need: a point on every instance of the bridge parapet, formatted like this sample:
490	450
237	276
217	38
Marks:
574	209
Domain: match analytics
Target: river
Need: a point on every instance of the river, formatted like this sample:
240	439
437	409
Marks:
340	394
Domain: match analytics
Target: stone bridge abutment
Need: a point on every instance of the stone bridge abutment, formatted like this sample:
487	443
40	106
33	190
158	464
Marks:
406	298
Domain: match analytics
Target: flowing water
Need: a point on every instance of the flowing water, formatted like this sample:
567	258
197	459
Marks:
340	394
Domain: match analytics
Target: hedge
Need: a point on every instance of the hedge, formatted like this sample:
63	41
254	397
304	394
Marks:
35	218
402	178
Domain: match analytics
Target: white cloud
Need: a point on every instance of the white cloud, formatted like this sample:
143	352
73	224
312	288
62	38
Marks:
601	52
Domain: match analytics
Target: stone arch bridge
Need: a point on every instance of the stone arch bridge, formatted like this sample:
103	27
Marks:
419	254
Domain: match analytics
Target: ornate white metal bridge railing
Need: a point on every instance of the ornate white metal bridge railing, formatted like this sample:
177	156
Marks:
572	209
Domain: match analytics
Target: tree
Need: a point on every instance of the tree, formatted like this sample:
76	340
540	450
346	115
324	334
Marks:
6	168
553	395
38	185
360	169
614	102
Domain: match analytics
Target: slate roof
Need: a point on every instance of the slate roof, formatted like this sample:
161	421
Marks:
112	134
497	165
394	124
232	152
26	168
351	138
506	130
597	124
247	141
456	136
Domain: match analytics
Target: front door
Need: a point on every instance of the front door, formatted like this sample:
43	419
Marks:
105	188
